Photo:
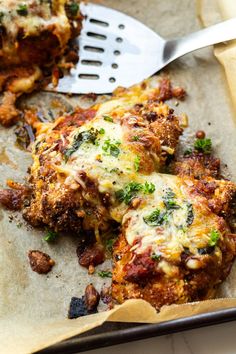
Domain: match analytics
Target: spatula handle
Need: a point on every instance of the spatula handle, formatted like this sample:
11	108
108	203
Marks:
218	33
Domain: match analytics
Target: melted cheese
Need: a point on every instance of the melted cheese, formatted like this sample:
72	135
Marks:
113	172
171	237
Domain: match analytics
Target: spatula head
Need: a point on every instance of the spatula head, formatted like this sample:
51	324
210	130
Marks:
114	50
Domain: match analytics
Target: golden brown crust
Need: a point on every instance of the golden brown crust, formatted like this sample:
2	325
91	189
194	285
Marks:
192	277
197	165
137	276
100	165
63	206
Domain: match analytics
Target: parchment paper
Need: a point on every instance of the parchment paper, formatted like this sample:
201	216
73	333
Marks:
33	307
213	11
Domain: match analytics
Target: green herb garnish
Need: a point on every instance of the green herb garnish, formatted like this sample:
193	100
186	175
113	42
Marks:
214	237
111	148
155	257
169	200
87	136
148	188
22	10
50	236
135	138
203	145
105	274
129	192
156	218
137	163
108	119
171	204
73	8
102	131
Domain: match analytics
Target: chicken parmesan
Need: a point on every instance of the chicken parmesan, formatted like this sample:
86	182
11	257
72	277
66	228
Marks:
107	164
34	35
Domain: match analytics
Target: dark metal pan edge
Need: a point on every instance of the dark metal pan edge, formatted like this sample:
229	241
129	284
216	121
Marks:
137	332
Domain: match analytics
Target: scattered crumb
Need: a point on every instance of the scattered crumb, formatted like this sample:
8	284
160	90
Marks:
91	297
78	308
91	269
40	262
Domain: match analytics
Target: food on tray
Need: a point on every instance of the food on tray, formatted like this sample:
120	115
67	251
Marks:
175	245
86	305
40	262
106	166
34	36
83	162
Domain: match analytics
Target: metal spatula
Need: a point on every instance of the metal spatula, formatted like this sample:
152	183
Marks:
117	50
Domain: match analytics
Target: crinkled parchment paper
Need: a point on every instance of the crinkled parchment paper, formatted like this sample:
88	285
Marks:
33	307
213	11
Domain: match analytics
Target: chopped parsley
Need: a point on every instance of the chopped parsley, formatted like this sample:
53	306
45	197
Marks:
73	8
130	191
135	138
111	148
22	10
108	119
155	257
101	131
50	236
87	136
169	200
105	274
203	145
156	218
148	188
137	163
214	237
159	217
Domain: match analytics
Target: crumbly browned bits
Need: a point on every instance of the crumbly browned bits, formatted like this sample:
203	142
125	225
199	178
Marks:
40	262
91	297
106	295
11	199
92	255
200	134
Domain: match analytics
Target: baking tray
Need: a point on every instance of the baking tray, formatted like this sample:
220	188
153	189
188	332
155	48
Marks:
111	333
